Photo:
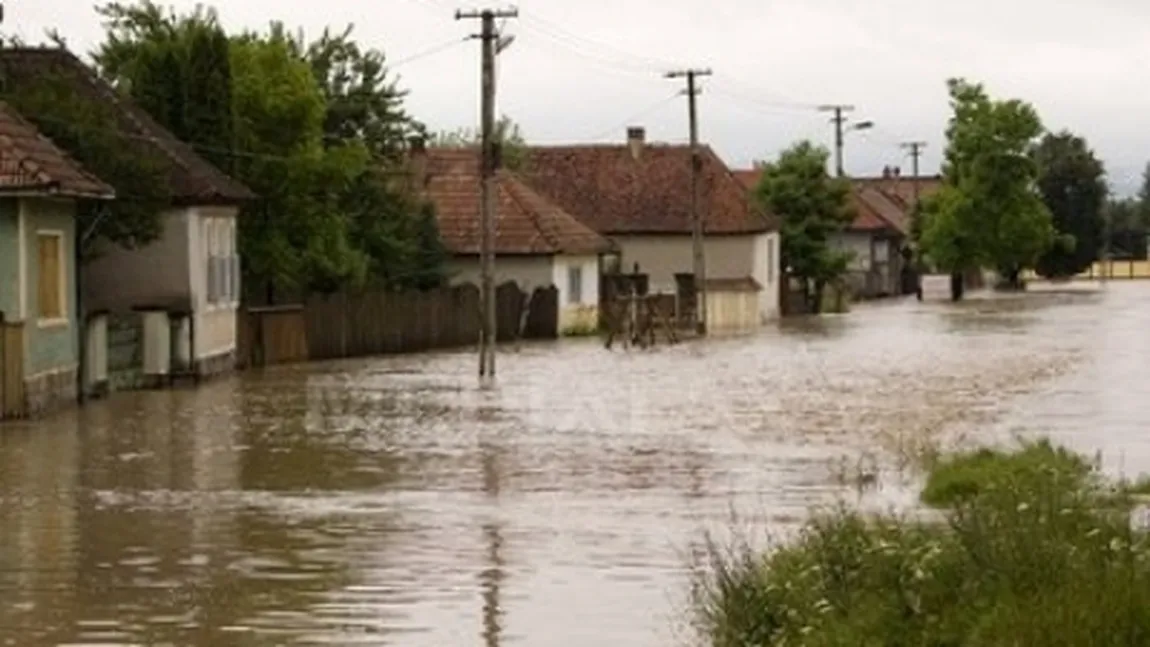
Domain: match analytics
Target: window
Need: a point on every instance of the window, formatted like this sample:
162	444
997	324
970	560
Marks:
52	287
575	284
222	265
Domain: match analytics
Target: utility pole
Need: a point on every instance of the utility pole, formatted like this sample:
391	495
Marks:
488	37
699	255
839	120
915	149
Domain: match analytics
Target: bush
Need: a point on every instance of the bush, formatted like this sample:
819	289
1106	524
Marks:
1032	550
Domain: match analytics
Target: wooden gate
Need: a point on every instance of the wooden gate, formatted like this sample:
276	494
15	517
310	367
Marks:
11	369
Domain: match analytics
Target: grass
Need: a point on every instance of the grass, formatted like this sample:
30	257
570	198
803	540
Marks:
1033	548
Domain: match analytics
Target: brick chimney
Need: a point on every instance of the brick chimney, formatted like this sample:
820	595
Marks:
636	137
417	163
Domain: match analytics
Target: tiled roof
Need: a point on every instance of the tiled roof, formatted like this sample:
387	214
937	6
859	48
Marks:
191	178
614	192
875	211
526	222
900	189
31	162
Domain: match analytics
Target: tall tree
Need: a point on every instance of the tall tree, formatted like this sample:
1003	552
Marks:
309	127
89	131
176	67
988	213
363	103
1072	183
813	207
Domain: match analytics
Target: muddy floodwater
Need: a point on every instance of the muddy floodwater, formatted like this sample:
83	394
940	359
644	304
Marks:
391	501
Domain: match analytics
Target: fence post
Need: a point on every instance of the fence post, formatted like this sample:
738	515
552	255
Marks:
96	348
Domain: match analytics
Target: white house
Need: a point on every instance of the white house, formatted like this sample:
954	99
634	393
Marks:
637	195
192	270
537	244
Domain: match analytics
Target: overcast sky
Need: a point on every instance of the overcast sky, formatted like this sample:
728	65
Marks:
582	70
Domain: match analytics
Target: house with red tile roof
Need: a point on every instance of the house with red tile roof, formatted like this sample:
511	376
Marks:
40	186
537	244
877	235
193	267
638	195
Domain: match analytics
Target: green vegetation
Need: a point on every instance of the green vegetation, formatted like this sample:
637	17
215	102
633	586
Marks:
1033	548
513	146
1072	183
89	132
813	207
316	130
987	213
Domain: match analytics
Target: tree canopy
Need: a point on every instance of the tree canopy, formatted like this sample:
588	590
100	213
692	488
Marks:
89	131
988	212
813	207
315	129
1072	183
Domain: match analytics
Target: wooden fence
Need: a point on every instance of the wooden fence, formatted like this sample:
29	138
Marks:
374	323
11	369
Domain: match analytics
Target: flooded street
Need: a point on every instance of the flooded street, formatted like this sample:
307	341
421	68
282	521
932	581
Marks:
393	502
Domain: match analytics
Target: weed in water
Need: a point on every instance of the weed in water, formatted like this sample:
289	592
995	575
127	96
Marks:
1032	550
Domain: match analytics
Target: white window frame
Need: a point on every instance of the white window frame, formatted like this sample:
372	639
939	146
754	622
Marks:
574	284
62	279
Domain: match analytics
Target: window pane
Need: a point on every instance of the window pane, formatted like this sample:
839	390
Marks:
50	295
574	284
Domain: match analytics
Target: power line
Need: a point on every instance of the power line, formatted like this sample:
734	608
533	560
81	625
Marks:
638	115
431	51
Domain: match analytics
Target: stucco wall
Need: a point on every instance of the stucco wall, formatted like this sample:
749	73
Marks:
156	274
529	272
211	229
583	313
49	346
661	257
9	260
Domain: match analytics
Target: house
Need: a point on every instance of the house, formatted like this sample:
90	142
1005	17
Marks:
40	188
638	195
537	244
192	270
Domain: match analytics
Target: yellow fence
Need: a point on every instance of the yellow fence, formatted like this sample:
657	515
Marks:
1114	269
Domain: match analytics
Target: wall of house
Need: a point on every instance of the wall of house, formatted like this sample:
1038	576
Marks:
212	233
156	274
868	277
662	256
577	312
768	272
50	346
9	259
529	272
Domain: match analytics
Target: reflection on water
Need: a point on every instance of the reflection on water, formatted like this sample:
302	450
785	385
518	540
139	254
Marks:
392	502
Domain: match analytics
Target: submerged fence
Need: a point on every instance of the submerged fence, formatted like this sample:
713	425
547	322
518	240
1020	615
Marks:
357	324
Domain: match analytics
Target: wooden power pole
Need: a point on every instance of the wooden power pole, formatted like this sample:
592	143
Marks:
488	37
915	149
699	255
839	120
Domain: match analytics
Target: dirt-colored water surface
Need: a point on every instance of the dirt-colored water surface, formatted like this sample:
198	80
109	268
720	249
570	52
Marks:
392	501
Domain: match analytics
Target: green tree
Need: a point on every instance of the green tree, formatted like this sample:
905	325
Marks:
813	207
988	213
299	238
177	68
89	131
310	128
363	103
513	144
1072	183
